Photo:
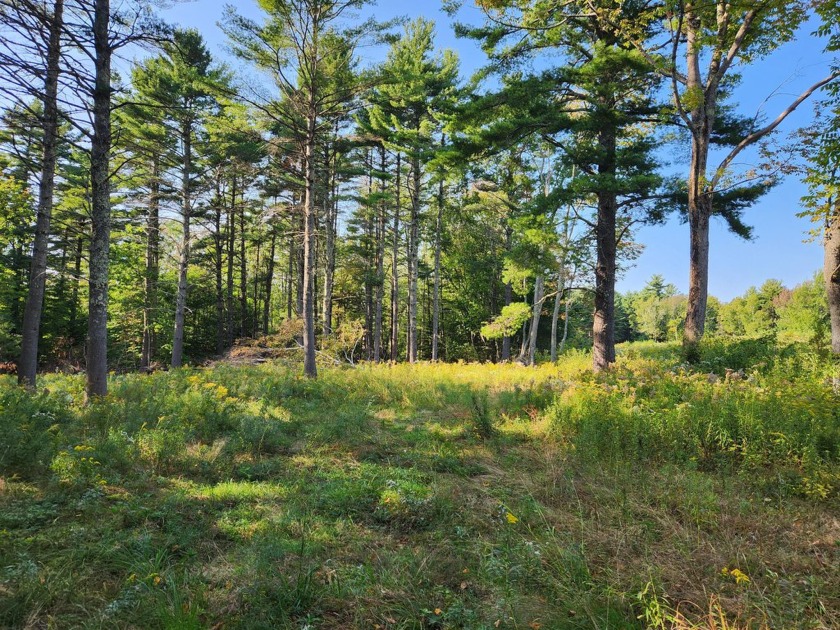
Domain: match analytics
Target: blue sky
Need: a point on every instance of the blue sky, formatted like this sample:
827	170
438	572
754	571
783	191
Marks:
778	249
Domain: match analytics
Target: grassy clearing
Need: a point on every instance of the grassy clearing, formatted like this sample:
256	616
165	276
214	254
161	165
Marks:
449	496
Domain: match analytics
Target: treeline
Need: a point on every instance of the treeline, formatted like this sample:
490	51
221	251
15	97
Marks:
394	212
789	315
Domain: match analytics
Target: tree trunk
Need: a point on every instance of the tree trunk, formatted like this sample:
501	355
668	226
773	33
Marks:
330	225
436	289
309	367
508	297
523	348
28	364
243	270
395	283
699	197
269	281
413	259
831	271
77	277
565	324
380	261
255	315
603	329
100	244
370	259
555	316
699	216
184	261
231	250
535	319
150	278
290	278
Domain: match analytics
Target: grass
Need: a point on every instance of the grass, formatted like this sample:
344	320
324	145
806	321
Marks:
432	496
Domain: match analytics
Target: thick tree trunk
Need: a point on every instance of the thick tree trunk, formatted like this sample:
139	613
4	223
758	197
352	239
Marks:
150	277
413	259
831	271
603	329
699	217
539	286
100	244
395	259
184	261
436	289
699	214
28	364
702	119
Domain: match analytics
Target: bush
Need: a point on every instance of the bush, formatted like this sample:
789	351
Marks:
767	428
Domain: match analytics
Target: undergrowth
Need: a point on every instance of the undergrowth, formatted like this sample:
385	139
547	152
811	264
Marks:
660	494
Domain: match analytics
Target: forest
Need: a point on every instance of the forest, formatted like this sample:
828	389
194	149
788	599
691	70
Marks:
325	331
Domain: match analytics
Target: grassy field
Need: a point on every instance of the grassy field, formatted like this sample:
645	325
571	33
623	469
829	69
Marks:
433	496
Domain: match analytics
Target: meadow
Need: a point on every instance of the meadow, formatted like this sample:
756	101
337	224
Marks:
657	495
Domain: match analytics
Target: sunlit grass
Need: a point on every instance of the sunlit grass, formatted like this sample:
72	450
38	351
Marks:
429	496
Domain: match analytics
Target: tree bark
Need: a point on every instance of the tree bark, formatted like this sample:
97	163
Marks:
100	244
290	278
555	316
535	319
413	259
243	270
231	251
184	261
508	297
31	333
395	259
603	329
380	261
269	281
330	225
309	366
255	315
831	271
436	288
150	278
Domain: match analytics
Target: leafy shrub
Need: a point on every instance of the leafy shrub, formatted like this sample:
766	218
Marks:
767	427
78	466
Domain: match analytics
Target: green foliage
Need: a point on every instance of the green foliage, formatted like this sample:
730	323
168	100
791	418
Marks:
30	430
251	495
509	322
